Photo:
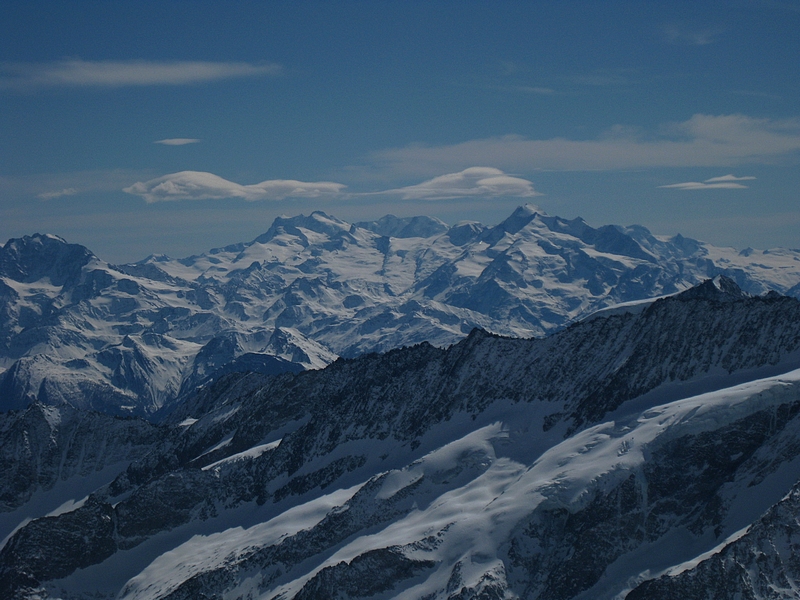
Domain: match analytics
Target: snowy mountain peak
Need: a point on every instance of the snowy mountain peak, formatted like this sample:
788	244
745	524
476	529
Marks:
154	258
521	217
37	239
464	232
687	245
728	286
407	227
719	289
34	257
315	287
317	222
529	209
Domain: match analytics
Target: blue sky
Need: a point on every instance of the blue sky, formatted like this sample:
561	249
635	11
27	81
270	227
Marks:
173	127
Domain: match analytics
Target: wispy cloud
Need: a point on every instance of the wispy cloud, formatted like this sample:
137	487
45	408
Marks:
115	74
728	182
702	141
689	36
198	185
58	194
47	186
177	141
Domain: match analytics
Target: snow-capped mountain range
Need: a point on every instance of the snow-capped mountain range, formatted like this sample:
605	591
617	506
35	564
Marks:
648	451
132	339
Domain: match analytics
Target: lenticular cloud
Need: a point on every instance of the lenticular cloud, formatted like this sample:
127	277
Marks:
475	181
728	182
198	185
727	178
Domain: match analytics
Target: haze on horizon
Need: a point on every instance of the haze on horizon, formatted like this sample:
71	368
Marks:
142	127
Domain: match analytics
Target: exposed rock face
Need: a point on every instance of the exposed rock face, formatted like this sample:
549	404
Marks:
43	445
135	339
581	465
762	563
357	579
84	537
37	257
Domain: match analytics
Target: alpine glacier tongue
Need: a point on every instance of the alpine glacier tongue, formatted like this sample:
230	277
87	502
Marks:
137	338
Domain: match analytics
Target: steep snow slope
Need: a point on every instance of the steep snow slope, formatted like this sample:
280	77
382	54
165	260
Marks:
131	339
575	466
471	518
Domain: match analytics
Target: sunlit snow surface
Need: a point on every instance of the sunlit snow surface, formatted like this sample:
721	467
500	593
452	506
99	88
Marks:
314	288
473	491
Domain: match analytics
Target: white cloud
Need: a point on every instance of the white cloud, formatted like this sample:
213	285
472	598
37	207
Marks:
58	194
474	181
697	185
722	182
110	73
729	177
177	141
197	185
702	141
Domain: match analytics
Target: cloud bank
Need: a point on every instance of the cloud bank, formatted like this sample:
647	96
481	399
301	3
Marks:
474	181
177	141
114	74
702	141
198	185
728	182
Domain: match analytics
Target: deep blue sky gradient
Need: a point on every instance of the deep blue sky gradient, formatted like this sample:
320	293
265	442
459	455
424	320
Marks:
359	86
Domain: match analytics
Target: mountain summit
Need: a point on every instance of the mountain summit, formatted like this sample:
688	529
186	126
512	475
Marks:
133	339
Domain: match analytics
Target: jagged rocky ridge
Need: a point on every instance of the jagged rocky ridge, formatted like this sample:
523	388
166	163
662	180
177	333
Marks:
132	339
763	563
581	465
